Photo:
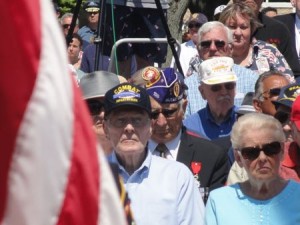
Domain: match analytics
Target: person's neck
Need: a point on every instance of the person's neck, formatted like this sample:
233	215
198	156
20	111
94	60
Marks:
220	117
131	162
244	53
93	26
263	190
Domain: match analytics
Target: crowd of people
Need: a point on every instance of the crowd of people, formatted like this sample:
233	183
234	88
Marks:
218	144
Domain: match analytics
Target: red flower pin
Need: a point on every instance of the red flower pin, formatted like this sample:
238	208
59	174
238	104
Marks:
196	167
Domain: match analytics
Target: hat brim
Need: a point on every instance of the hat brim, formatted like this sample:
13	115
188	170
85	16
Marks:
126	104
92	9
219	79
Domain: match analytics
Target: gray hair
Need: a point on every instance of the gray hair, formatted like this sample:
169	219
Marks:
253	122
258	89
68	15
208	26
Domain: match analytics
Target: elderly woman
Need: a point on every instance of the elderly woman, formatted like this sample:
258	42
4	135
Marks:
265	198
256	55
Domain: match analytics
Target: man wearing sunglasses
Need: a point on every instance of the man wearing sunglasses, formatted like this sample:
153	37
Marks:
189	48
207	161
94	86
218	87
215	41
65	21
88	32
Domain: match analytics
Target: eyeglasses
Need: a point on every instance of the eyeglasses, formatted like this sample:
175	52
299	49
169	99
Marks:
134	121
218	87
95	106
66	26
282	117
194	25
168	113
272	92
270	149
207	44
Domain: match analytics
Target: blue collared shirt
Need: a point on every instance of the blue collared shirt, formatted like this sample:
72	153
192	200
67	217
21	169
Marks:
245	83
87	35
163	192
203	123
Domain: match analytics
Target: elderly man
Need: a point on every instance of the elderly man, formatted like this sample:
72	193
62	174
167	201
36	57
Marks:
217	86
162	191
214	41
88	32
207	161
66	21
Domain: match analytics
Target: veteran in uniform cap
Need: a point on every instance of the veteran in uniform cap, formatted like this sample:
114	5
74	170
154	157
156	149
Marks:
88	32
206	160
161	191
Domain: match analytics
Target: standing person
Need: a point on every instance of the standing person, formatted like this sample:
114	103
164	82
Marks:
274	32
266	197
207	162
249	52
215	40
218	87
66	21
292	21
189	48
88	32
135	19
162	191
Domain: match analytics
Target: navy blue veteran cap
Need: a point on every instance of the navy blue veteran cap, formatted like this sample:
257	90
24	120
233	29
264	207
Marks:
165	86
288	95
91	6
126	94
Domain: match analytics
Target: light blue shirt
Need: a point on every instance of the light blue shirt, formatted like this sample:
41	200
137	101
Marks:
163	192
245	83
228	205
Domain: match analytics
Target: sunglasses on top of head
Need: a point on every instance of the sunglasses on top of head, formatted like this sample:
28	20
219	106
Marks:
218	87
269	149
207	44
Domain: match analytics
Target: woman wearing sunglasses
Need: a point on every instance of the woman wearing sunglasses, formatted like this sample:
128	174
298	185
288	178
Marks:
266	197
256	55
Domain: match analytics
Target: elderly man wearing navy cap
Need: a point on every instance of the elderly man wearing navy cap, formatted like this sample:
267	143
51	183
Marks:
161	191
88	32
170	138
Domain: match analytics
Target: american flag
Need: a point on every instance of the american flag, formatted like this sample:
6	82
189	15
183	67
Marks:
51	168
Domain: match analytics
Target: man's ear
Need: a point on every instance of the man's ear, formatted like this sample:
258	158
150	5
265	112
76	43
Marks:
238	157
200	88
257	105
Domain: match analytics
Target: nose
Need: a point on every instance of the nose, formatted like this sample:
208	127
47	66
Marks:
262	156
212	46
237	31
161	120
129	127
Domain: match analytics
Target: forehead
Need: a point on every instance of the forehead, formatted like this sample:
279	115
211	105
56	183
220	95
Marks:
253	137
215	33
239	18
67	19
274	82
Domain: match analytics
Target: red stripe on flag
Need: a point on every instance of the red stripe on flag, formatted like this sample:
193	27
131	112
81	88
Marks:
18	74
82	193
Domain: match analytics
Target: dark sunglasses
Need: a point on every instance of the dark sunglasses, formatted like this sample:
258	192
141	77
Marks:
272	92
282	117
95	106
194	25
66	26
207	44
218	87
270	149
168	113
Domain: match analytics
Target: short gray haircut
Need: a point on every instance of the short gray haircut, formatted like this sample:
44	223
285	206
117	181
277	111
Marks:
253	122
68	15
208	26
258	89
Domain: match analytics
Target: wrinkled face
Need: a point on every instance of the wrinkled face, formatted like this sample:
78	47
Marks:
213	50
167	121
254	4
128	130
265	105
93	18
221	99
74	49
241	30
264	167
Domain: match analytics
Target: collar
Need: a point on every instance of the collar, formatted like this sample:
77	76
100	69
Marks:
172	145
291	155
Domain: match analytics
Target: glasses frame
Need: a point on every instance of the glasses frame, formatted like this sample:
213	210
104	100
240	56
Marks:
218	87
95	106
272	92
207	43
269	149
168	113
194	25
